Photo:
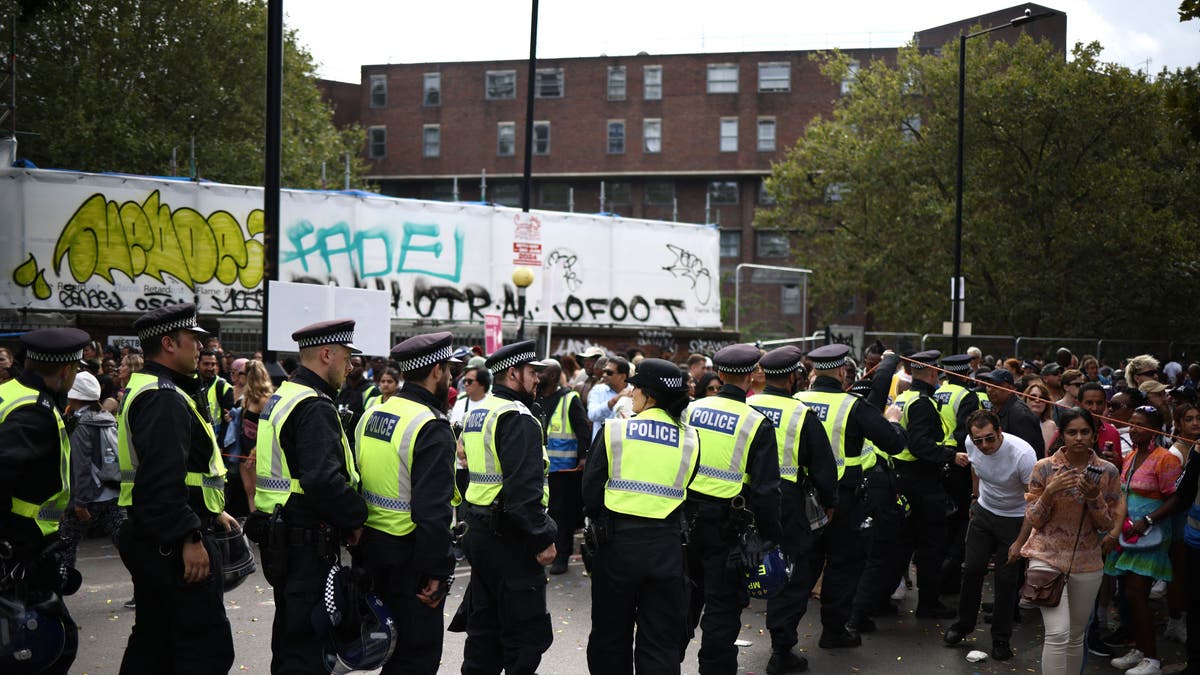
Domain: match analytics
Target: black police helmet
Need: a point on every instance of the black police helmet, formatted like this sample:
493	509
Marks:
237	561
359	631
32	637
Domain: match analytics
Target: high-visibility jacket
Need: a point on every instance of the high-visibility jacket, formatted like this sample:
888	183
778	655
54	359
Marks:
904	400
562	447
212	395
274	483
833	409
985	403
210	482
13	396
726	428
651	458
483	460
384	440
788	415
949	396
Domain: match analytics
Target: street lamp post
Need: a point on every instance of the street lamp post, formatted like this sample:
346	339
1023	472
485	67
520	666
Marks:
522	277
956	282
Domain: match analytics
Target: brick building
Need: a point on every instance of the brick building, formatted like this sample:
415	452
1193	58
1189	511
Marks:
686	137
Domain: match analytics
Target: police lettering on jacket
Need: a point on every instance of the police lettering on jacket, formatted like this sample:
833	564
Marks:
654	432
381	425
714	420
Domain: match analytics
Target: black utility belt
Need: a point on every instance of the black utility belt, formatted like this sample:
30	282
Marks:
622	524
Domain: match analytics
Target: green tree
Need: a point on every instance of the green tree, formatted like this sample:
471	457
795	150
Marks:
1075	207
119	85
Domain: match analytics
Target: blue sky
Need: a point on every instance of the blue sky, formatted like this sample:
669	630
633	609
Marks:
360	32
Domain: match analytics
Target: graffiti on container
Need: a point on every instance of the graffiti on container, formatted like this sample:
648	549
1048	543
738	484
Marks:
414	248
688	265
565	260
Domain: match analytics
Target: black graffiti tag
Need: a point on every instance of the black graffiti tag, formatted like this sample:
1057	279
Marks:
78	296
238	301
565	260
689	266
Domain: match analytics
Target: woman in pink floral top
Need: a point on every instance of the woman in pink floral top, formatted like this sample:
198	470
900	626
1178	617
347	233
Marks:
1073	497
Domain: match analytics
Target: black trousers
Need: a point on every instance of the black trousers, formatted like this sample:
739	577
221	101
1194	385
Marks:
396	582
884	543
295	647
838	549
989	534
566	508
957	483
178	627
508	627
717	593
638	580
105	515
925	533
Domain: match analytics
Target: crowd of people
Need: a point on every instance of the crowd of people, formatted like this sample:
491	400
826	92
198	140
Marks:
1065	475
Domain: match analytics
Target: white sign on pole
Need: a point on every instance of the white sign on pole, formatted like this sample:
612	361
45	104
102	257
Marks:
294	306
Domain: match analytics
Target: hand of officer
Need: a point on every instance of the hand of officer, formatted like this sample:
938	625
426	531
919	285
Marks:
83	514
829	514
429	595
227	521
960	458
195	562
547	555
353	538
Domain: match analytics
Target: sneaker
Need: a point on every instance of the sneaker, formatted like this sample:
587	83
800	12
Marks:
1146	667
900	592
1176	630
1158	590
1097	647
129	604
1131	659
786	662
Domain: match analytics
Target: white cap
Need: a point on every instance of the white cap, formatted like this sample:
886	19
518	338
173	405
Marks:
86	387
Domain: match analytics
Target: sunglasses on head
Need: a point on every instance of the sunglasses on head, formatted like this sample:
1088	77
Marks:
1147	373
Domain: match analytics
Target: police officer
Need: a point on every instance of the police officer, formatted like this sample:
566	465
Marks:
919	471
841	547
306	484
806	463
634	487
406	460
957	403
568	435
35	478
510	537
172	480
739	462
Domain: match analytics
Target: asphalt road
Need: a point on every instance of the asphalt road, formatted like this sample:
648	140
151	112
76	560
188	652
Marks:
902	643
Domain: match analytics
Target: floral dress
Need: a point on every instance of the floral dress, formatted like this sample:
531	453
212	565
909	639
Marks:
1147	484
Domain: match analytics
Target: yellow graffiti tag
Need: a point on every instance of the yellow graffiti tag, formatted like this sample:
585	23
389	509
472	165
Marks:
150	239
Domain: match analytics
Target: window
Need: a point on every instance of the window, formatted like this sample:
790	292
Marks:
433	89
729	134
501	85
506	139
652	136
766	134
772	244
442	191
378	91
850	78
774	77
731	243
652	83
722	78
660	193
505	194
431	140
618	193
616	137
764	196
616	83
377	148
541	138
556	196
833	192
549	83
723	192
789	299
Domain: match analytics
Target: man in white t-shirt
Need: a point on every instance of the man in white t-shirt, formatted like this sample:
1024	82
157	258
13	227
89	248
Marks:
1001	465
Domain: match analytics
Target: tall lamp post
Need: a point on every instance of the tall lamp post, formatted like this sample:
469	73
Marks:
956	283
522	277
